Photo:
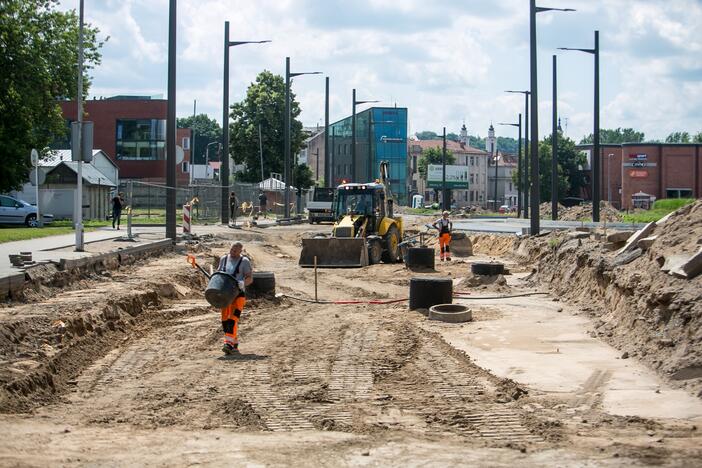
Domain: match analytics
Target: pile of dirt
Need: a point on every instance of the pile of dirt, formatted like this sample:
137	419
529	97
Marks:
581	212
496	283
639	308
492	244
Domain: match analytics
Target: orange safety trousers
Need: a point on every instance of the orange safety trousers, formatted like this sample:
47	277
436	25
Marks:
444	241
230	320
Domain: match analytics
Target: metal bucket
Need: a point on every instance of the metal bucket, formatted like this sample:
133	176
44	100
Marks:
221	290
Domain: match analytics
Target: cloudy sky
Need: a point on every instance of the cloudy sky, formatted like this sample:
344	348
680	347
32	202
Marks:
447	61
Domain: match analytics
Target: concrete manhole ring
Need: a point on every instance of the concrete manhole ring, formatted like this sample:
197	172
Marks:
451	313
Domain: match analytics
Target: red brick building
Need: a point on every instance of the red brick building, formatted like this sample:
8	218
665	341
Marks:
664	170
131	130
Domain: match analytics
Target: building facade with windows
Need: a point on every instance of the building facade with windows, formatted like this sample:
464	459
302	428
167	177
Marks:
132	131
475	159
381	135
504	192
661	170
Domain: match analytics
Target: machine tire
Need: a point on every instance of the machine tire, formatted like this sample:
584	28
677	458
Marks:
420	257
263	283
487	269
375	251
426	292
391	254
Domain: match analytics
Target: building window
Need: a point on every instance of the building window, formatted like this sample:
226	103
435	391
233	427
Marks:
141	139
678	193
510	186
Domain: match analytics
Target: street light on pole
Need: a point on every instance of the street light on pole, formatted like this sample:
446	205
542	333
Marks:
353	133
522	175
535	195
519	158
596	129
554	145
224	160
287	173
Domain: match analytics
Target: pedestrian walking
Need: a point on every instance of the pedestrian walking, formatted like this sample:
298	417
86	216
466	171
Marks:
262	202
117	205
233	204
444	226
238	266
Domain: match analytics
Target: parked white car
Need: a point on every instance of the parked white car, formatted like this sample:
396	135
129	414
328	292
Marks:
14	211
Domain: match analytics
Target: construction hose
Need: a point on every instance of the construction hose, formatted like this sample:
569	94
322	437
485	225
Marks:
457	295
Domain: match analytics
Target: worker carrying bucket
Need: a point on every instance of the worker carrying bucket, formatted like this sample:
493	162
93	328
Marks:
444	226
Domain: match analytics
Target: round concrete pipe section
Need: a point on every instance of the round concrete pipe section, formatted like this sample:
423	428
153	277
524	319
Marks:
263	284
427	291
487	269
420	257
451	313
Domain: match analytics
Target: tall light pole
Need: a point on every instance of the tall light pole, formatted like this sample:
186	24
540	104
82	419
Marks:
523	176
596	129
444	192
519	159
327	161
224	160
286	131
353	133
534	149
554	146
79	101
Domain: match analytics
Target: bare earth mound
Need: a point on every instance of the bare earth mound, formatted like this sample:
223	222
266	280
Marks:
639	308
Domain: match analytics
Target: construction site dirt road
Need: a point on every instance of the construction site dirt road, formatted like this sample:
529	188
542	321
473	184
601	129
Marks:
124	367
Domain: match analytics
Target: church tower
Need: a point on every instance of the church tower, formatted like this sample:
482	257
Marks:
490	142
463	139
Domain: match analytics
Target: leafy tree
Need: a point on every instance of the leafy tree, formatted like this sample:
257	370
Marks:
451	136
303	178
476	142
697	138
678	137
206	131
570	178
615	136
427	135
265	105
433	156
38	57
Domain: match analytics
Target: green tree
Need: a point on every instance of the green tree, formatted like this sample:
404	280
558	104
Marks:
427	135
616	136
476	142
206	131
570	178
433	156
265	105
303	178
451	136
678	137
697	138
38	56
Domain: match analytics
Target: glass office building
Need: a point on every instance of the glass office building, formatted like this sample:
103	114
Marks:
381	135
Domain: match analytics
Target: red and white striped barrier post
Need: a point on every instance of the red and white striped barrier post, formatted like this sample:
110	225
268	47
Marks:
186	219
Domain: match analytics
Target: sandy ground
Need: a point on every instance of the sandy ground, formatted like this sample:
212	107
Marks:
124	368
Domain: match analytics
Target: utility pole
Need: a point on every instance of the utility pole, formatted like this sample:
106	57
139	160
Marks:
554	147
327	161
78	210
444	191
171	126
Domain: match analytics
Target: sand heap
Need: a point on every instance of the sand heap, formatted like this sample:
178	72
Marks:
639	308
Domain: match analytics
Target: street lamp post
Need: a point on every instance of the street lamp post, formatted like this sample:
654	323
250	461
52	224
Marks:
353	133
287	173
327	159
522	175
207	155
534	149
444	192
554	146
519	159
224	160
609	181
596	129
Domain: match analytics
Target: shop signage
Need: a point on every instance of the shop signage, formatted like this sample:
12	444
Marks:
638	174
638	157
456	176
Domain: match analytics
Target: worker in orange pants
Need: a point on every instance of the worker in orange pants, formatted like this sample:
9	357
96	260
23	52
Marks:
240	267
444	226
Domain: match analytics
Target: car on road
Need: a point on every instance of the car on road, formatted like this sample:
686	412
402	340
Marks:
507	209
14	211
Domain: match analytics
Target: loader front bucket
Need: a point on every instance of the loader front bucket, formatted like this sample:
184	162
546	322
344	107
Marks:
334	252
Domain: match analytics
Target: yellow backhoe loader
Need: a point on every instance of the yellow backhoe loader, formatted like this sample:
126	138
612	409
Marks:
366	230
